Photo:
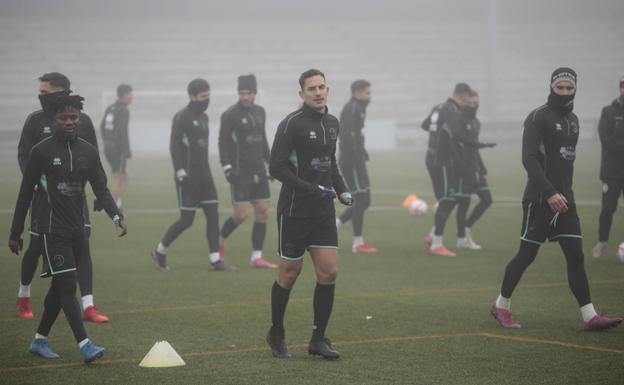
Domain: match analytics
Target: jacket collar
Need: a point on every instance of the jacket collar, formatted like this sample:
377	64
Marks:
313	113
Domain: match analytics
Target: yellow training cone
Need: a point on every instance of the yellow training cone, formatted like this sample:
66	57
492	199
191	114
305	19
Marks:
162	355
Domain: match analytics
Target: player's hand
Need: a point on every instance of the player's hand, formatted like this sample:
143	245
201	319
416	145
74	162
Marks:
16	245
346	199
181	175
122	226
325	192
229	173
558	203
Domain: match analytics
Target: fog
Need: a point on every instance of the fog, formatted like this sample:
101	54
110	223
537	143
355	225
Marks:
413	52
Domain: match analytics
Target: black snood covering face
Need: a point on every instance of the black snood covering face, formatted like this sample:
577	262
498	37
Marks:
470	112
560	103
199	106
47	99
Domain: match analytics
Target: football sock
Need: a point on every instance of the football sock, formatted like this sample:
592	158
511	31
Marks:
211	212
161	249
258	234
503	303
588	312
485	201
30	260
87	301
358	240
516	267
24	291
279	301
85	270
228	227
256	254
40	337
83	343
184	222
436	242
214	257
323	303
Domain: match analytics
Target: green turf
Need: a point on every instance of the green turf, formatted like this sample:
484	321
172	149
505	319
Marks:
430	322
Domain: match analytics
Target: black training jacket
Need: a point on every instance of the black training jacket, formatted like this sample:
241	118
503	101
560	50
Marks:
189	143
444	123
38	127
548	152
242	139
351	143
468	144
67	166
303	156
114	129
611	131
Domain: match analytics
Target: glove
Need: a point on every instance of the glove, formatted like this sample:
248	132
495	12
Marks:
346	199
181	175
229	173
325	192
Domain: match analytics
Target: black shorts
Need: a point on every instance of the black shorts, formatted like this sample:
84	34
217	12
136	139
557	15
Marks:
444	181
62	254
298	234
250	188
540	224
116	160
472	184
356	177
195	192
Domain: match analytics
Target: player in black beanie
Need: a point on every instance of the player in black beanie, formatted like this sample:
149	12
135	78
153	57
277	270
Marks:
562	89
548	152
248	82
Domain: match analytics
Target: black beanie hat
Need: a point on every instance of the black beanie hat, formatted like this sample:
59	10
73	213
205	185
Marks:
247	82
563	74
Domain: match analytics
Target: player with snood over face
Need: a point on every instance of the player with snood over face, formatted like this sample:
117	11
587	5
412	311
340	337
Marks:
549	143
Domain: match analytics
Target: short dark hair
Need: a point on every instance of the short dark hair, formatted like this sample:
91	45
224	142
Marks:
359	85
123	90
196	86
62	101
56	79
308	74
474	93
462	89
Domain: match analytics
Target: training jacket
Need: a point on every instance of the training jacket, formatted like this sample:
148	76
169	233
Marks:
468	142
351	143
443	123
114	129
303	156
189	143
38	127
611	131
66	166
242	139
548	153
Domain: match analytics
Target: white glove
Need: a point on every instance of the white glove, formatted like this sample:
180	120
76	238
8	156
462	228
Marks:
181	174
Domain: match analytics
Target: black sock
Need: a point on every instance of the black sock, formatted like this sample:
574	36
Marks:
211	212
184	222
51	309
70	305
462	209
85	269
485	201
516	267
228	227
346	215
577	277
30	260
441	215
258	233
323	303
279	301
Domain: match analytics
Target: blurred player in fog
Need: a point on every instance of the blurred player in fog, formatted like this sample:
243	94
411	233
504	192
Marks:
352	159
114	130
611	131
